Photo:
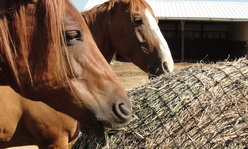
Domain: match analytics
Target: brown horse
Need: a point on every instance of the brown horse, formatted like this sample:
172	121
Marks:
47	53
27	122
130	28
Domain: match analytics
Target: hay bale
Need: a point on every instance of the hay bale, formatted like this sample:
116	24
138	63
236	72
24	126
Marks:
202	106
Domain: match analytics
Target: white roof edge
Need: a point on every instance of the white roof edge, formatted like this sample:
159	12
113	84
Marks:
190	1
202	10
91	3
202	19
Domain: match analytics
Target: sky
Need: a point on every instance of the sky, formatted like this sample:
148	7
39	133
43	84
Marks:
79	4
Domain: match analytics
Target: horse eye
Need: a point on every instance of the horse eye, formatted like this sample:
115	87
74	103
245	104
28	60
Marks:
138	20
72	35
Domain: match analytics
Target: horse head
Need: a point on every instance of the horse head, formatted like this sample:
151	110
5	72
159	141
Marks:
130	28
136	35
47	54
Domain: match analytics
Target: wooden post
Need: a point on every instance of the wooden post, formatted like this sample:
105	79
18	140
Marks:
182	33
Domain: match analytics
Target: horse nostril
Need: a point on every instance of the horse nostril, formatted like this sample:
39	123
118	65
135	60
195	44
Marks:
122	111
125	110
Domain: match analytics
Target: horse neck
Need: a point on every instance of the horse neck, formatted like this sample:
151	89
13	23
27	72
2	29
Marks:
98	21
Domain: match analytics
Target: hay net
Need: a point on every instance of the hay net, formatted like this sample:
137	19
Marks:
203	106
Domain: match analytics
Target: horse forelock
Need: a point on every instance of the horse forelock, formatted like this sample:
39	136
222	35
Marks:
55	29
15	47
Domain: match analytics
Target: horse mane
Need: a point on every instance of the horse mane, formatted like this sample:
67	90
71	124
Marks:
132	5
15	38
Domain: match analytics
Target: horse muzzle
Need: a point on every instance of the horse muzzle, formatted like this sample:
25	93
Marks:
154	71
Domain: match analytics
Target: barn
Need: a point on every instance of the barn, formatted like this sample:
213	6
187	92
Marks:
201	30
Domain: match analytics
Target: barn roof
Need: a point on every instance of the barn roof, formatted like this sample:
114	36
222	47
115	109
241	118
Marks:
194	10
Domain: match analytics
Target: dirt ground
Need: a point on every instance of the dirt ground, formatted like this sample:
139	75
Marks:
129	75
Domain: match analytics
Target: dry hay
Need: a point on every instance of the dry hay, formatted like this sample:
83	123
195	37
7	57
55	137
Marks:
197	107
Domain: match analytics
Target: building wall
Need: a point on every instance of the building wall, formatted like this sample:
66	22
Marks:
238	31
208	41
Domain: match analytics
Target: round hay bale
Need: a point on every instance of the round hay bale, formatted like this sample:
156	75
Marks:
202	106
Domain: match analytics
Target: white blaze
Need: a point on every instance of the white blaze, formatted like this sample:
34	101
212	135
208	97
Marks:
165	50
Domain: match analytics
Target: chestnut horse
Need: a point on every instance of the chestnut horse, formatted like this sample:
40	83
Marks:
47	53
130	28
27	122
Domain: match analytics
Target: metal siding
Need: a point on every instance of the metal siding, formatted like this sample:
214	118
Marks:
194	10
